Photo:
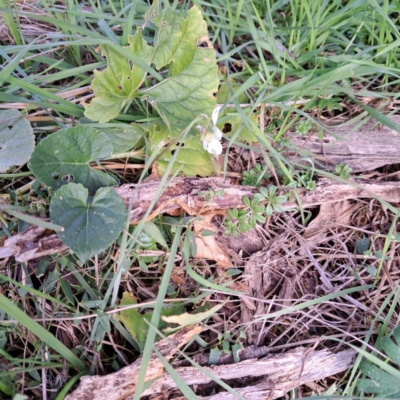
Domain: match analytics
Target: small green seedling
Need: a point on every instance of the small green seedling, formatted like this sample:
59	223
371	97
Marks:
255	212
255	176
306	180
211	194
343	170
272	198
303	127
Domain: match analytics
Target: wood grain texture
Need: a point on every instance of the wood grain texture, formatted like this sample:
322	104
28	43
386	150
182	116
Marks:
278	374
121	384
362	148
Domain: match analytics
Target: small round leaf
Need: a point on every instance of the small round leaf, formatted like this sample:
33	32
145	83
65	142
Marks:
90	224
16	139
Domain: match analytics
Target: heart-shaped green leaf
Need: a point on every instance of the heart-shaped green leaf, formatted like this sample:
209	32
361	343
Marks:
65	155
16	139
90	224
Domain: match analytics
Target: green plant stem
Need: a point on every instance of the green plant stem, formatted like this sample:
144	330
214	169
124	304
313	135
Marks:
157	314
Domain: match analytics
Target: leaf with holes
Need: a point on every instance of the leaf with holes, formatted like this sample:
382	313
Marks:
232	125
193	76
16	139
91	224
192	79
187	92
65	156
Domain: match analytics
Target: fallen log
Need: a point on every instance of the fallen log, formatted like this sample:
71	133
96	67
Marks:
277	375
189	194
183	194
121	384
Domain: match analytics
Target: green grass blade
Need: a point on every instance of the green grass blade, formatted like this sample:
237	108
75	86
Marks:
36	221
68	386
45	336
383	119
36	292
203	370
8	70
180	383
310	303
68	107
10	23
157	314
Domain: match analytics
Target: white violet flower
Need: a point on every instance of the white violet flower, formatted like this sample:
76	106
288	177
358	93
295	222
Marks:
211	141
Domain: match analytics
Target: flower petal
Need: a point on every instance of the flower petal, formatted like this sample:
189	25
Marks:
215	147
217	133
214	115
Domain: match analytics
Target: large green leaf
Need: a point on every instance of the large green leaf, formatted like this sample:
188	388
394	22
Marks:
91	224
16	139
380	382
177	38
192	76
117	85
187	91
66	154
180	98
384	383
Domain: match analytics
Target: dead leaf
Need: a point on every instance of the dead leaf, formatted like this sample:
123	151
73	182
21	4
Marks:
329	214
207	246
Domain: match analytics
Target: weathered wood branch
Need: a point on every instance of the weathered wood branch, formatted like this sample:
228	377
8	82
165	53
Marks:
183	194
278	375
32	243
362	148
121	384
